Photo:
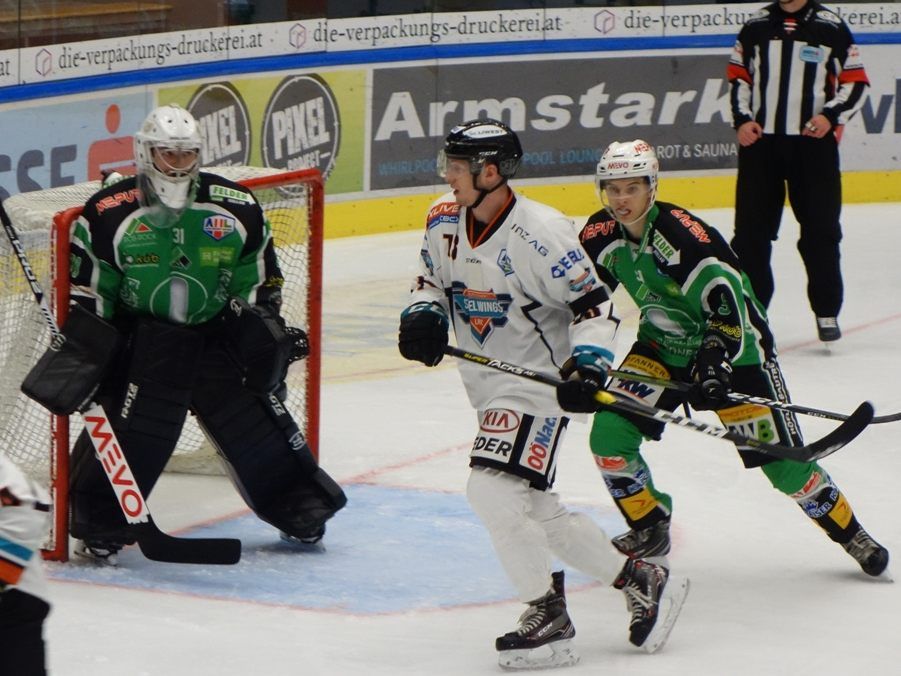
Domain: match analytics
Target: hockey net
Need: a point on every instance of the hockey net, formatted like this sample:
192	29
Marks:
39	442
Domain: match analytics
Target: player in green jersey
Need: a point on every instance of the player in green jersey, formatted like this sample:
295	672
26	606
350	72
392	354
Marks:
181	264
699	322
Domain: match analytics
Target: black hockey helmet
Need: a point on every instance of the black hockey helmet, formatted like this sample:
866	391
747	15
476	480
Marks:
482	142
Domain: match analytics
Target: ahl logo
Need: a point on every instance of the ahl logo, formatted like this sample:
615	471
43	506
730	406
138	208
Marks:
218	227
483	310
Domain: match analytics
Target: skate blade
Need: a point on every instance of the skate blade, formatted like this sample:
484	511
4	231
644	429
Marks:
884	577
297	545
84	554
549	656
671	601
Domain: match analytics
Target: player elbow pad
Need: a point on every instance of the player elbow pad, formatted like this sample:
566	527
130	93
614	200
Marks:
67	375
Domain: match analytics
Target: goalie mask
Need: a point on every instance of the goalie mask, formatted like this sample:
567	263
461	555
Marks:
167	153
631	159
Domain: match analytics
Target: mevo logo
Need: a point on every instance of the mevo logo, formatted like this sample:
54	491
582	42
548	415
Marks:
301	129
224	124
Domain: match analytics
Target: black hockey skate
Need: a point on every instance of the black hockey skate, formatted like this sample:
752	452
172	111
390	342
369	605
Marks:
827	329
544	636
654	599
645	543
872	557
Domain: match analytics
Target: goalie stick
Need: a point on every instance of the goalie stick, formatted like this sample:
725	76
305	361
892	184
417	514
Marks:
751	399
820	448
155	544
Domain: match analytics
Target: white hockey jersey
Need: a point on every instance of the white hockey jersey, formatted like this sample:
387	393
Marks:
24	520
526	294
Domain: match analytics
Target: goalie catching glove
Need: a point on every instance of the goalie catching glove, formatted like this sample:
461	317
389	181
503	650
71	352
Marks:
68	374
261	345
712	373
584	375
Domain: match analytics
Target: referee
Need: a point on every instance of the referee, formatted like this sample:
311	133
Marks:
796	78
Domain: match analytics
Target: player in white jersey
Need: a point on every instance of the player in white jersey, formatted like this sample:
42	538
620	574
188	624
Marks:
511	276
24	520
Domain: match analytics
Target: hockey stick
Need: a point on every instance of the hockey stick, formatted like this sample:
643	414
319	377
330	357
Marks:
751	399
155	544
829	444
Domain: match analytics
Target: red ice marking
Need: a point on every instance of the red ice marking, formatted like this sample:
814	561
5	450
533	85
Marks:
845	331
372	474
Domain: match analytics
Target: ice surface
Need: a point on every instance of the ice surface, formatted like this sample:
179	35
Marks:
408	583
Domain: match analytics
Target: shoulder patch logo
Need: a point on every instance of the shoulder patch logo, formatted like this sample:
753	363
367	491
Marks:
445	212
219	226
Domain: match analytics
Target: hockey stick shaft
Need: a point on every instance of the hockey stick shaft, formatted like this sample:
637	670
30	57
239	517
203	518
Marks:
155	544
32	278
740	398
818	449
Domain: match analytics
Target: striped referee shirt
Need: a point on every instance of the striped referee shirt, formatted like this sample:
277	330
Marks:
786	68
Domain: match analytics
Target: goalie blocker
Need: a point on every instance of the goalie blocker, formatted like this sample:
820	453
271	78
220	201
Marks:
65	378
165	371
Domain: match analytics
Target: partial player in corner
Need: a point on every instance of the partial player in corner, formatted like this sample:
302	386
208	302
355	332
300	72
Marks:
511	277
24	598
701	322
176	295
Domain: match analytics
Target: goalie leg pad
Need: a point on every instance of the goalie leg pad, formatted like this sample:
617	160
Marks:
147	409
66	376
267	456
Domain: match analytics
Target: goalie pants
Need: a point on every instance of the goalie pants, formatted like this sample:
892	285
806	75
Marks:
810	167
616	438
267	457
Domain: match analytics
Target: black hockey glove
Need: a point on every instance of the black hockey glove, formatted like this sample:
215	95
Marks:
584	376
260	343
423	333
712	373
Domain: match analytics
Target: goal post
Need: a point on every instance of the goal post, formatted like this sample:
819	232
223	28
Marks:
40	443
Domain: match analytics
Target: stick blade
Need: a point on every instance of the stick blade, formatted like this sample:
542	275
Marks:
841	435
158	546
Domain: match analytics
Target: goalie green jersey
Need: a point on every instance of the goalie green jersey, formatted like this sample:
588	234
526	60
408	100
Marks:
686	282
122	264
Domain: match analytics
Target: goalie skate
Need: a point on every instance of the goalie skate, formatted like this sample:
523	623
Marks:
654	598
544	637
98	551
311	543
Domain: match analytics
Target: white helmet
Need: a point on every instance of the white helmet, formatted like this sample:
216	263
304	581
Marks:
168	128
627	160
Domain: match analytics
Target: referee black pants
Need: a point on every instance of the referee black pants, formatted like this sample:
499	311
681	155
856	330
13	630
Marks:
810	169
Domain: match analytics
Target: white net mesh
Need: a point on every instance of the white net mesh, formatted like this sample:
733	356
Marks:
24	425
